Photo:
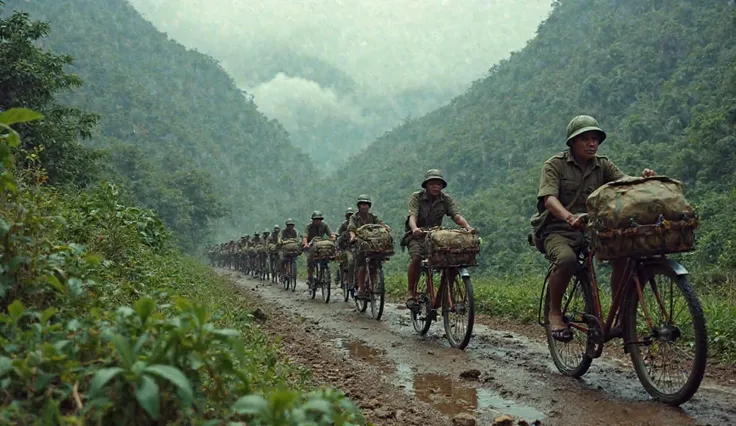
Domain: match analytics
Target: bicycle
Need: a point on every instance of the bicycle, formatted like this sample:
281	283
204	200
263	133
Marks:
347	283
376	290
454	298
321	279
289	278
590	333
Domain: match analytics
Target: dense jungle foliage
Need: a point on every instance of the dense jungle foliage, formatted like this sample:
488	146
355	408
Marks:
176	131
660	76
102	319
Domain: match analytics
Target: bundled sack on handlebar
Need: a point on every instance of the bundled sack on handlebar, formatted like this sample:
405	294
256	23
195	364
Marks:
291	247
452	247
273	249
250	251
322	249
374	240
639	217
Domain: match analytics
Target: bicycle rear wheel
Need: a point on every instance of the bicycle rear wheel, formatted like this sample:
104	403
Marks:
326	283
292	274
458	310
422	317
665	335
377	294
571	358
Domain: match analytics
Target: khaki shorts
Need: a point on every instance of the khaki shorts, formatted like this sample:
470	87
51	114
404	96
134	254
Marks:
417	248
561	248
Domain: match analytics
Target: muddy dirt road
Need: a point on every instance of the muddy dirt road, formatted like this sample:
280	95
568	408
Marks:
398	377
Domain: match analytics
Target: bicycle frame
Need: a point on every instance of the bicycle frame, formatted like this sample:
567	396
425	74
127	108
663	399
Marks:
631	283
446	276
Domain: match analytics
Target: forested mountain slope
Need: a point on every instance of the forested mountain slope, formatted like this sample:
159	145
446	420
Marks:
175	125
659	75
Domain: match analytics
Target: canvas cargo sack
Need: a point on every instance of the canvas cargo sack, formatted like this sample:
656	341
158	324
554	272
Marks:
290	247
322	249
373	240
273	249
250	251
639	217
452	247
261	249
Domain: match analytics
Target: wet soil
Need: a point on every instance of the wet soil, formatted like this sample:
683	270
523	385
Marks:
400	378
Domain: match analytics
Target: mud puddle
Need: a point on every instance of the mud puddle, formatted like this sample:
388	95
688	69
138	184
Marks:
448	396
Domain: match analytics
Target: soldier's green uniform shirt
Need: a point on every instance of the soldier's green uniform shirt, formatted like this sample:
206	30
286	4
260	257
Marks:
317	230
562	176
287	233
429	213
356	221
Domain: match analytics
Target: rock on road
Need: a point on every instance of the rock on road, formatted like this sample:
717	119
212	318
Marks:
398	377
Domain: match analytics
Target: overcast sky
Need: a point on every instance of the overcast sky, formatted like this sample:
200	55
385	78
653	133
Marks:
385	46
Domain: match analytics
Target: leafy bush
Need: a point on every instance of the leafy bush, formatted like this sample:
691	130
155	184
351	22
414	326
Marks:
99	323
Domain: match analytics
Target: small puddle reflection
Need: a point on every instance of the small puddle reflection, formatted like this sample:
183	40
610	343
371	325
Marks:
451	398
357	350
446	395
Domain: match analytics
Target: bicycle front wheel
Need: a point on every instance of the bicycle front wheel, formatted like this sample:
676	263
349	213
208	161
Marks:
571	358
325	283
422	317
292	274
458	310
665	334
377	295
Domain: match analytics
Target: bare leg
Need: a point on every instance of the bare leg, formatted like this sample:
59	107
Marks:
413	277
557	282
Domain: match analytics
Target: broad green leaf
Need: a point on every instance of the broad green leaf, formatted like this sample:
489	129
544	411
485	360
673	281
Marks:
123	348
250	404
101	378
319	405
56	284
16	310
19	115
176	377
6	364
226	332
47	314
144	307
147	394
11	137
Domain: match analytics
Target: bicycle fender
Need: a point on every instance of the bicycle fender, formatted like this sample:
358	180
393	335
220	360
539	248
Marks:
463	272
679	269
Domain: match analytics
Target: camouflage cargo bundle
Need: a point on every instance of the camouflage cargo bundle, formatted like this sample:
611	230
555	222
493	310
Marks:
639	217
261	249
250	251
322	249
374	240
452	247
291	247
273	248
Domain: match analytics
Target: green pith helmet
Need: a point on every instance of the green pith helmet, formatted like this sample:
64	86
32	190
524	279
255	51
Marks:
256	234
276	227
581	124
289	221
432	174
317	215
349	211
364	198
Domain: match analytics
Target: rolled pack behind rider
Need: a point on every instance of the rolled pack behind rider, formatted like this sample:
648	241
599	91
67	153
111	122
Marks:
567	180
317	228
363	217
427	208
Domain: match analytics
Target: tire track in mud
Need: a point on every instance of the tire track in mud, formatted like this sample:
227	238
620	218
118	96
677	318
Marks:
507	373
